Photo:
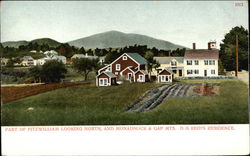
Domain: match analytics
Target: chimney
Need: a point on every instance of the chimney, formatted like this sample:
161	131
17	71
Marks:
209	46
194	46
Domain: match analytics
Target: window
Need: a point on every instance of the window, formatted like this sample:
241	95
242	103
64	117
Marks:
189	62
196	62
173	63
124	58
118	67
213	72
196	71
140	78
174	71
162	78
103	82
211	62
206	62
189	72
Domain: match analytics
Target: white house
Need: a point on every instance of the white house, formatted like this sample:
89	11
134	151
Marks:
201	62
27	61
50	53
60	58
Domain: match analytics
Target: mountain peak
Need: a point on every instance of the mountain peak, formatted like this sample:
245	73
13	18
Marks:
117	39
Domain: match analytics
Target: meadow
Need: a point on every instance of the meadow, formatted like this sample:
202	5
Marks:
91	105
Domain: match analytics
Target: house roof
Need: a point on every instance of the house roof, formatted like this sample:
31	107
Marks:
167	60
109	74
84	56
142	71
27	58
202	54
167	71
138	58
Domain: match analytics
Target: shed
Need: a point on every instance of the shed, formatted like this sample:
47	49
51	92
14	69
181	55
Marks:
106	79
165	76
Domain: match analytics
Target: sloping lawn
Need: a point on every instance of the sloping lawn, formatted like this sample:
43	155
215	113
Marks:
90	105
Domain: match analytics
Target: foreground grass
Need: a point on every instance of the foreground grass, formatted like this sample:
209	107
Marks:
90	105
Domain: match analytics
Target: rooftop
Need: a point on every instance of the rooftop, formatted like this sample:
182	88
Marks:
167	60
202	54
138	58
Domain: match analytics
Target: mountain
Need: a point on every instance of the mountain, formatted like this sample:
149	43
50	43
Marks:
16	44
116	39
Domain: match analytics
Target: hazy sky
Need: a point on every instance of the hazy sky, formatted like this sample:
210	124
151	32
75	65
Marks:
178	22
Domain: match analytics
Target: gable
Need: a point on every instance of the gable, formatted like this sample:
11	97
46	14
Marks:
164	72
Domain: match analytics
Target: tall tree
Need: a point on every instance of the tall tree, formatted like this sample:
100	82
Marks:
227	49
84	66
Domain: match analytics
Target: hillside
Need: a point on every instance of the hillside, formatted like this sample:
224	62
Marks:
16	44
116	39
50	42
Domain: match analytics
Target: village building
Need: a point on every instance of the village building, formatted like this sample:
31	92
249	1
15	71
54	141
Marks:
106	79
129	66
4	61
201	62
165	76
60	58
101	59
173	64
27	61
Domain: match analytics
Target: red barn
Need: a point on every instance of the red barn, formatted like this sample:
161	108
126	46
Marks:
126	66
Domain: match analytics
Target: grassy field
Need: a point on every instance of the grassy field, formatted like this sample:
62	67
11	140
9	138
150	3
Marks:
90	105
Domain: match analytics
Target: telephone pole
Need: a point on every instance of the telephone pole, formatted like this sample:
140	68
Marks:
236	57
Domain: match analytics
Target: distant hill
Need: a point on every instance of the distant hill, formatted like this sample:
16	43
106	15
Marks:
116	39
16	44
50	42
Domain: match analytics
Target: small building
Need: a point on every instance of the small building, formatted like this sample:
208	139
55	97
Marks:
101	59
106	79
4	61
27	61
141	76
165	76
60	58
50	53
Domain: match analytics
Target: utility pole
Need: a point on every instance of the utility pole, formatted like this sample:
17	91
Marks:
236	57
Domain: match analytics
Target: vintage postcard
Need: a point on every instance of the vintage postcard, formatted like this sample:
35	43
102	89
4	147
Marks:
124	77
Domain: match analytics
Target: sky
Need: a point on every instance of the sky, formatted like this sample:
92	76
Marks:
181	22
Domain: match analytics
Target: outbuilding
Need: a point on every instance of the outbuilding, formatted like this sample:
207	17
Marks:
106	79
165	76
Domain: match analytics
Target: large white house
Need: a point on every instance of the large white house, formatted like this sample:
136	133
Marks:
201	62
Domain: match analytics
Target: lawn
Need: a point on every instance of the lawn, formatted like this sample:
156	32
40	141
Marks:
91	105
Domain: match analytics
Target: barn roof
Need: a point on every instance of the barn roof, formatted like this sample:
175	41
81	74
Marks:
202	54
138	58
167	60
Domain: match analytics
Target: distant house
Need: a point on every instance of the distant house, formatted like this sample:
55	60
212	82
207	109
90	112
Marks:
129	66
165	76
60	58
173	64
27	61
201	62
50	53
4	61
106	79
101	59
33	51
